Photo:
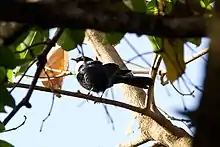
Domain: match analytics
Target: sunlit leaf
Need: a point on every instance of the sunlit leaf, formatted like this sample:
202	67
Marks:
5	144
156	42
6	99
19	40
10	75
151	7
2	127
173	58
33	38
57	64
207	2
112	38
136	5
71	38
8	60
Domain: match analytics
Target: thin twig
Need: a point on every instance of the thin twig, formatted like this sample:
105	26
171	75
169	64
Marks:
61	71
29	47
48	115
140	72
136	51
173	118
40	65
23	75
194	51
132	63
183	94
181	97
164	123
194	57
44	78
12	129
109	116
154	71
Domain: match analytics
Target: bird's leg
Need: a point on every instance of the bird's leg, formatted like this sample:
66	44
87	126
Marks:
100	97
89	93
102	94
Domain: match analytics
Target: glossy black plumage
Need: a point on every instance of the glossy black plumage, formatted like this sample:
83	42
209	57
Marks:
96	76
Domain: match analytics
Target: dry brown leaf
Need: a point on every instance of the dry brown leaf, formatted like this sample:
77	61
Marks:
57	64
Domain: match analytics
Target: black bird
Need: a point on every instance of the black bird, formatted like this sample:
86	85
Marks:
95	76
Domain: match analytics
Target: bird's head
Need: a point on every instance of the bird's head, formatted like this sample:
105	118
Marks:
84	59
80	61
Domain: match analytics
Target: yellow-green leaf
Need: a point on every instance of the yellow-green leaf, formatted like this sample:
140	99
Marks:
156	42
195	41
173	57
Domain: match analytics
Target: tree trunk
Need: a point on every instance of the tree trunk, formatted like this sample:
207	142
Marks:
149	128
207	115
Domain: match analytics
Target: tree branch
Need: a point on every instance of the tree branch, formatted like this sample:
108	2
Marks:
135	143
79	15
40	65
196	56
150	100
12	129
163	122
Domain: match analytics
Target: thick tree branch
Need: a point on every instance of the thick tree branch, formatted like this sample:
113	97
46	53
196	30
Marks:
40	65
135	143
136	96
75	15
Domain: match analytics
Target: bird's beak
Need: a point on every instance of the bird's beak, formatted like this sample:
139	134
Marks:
73	59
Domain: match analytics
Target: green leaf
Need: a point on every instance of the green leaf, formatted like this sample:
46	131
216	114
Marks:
34	37
173	58
19	40
2	74
6	99
5	144
136	5
112	38
71	38
10	75
156	42
2	127
207	2
169	7
151	7
196	41
8	60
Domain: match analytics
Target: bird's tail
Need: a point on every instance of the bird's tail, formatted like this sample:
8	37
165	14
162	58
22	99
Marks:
141	82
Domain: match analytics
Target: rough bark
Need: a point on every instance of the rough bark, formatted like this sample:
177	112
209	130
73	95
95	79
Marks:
86	14
149	128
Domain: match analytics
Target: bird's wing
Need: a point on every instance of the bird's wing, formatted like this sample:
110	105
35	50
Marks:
112	68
